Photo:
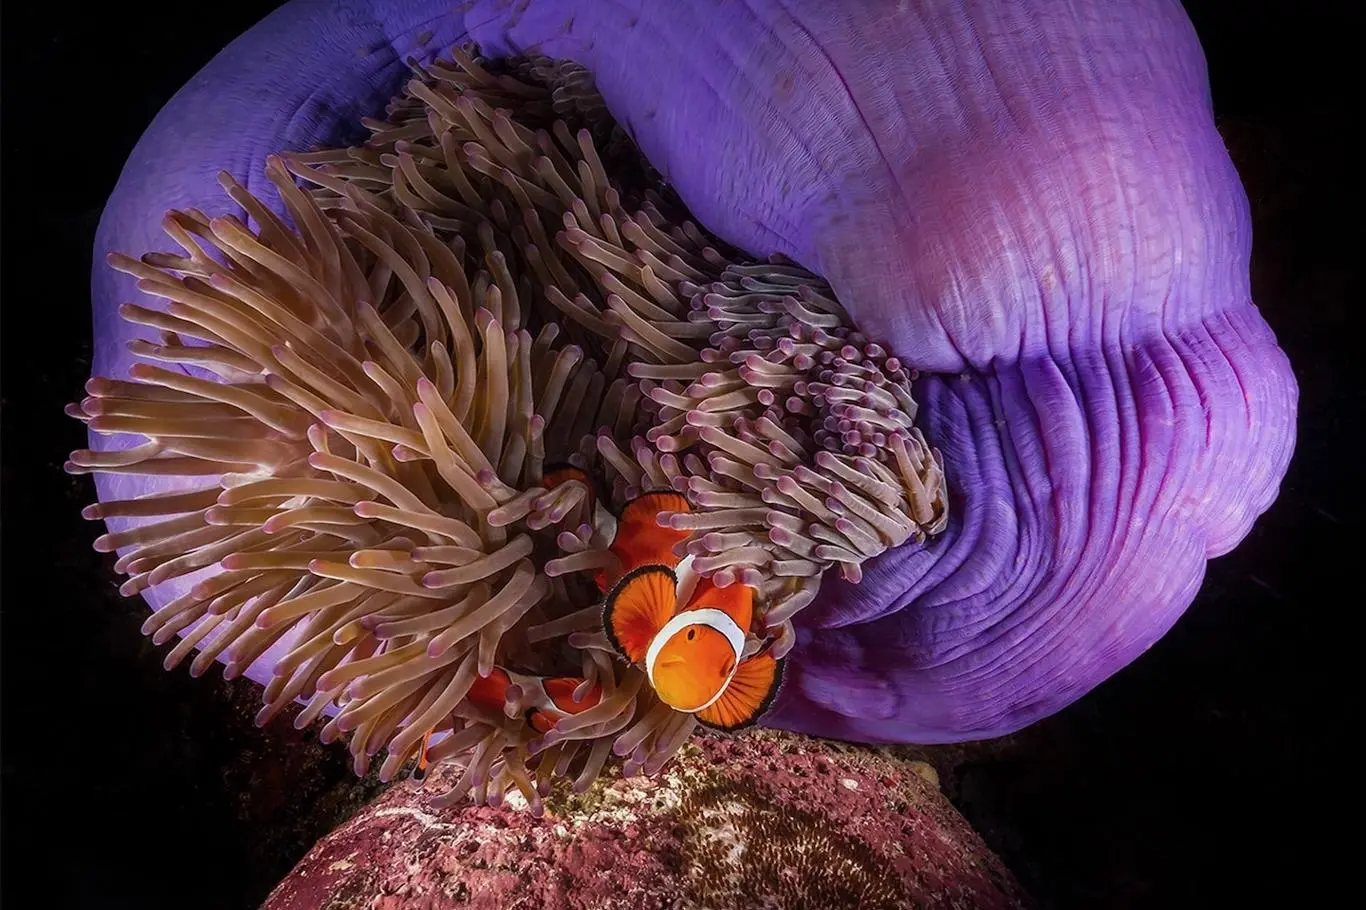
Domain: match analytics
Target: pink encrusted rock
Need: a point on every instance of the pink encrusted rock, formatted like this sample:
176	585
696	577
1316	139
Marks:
764	819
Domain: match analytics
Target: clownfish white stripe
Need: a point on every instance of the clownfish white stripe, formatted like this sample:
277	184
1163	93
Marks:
707	616
687	580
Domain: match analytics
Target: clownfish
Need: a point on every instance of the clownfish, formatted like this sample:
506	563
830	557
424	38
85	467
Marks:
687	633
689	636
636	537
542	701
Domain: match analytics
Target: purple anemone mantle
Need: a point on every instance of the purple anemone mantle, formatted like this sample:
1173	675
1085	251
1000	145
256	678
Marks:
1028	202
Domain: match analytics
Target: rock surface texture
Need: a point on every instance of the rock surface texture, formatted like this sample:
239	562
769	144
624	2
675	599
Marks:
765	819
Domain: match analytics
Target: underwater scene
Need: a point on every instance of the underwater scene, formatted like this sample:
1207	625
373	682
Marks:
563	454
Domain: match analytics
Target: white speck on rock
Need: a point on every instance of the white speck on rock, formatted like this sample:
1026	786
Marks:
849	783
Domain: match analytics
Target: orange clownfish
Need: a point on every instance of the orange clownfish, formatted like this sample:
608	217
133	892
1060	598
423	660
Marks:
636	536
689	635
542	701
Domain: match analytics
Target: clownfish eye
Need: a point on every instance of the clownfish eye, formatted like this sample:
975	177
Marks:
692	633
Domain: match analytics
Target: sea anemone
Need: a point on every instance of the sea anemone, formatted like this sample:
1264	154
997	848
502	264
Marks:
462	299
1025	214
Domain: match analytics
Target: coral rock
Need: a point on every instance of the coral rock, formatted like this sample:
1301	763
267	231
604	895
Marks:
765	819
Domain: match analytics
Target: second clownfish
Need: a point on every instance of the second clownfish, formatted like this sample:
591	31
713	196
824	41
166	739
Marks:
542	701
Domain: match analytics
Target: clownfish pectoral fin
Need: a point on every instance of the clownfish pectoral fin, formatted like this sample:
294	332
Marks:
748	695
637	608
540	721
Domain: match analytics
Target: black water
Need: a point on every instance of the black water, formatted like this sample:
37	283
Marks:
1215	769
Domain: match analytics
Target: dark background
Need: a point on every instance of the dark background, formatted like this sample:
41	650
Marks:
1215	769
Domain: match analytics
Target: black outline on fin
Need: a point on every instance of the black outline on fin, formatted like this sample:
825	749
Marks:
609	602
780	677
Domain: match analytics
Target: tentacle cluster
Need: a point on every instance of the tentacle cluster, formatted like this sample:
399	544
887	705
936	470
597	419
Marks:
370	395
790	430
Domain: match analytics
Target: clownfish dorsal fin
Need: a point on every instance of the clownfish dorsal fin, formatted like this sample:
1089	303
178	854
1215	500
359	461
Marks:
640	604
748	696
647	505
639	539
